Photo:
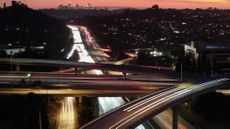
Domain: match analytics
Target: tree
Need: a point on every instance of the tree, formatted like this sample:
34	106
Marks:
143	58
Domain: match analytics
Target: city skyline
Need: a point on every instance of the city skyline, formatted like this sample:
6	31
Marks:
128	3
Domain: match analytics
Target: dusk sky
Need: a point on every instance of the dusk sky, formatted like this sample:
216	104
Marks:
129	3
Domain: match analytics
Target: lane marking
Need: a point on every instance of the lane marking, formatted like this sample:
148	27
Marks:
136	113
150	99
164	99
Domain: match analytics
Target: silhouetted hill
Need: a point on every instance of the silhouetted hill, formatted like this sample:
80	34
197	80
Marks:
42	36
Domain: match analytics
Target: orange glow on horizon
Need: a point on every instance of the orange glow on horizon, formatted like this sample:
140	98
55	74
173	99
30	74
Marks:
128	3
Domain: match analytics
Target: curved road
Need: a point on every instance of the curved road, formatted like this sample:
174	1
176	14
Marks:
133	113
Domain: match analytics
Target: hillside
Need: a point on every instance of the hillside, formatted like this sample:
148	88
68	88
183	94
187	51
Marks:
42	36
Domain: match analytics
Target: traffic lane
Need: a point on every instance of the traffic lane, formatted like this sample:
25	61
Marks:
91	84
152	107
163	102
135	115
88	87
129	69
88	77
113	102
92	87
46	62
84	80
73	92
116	115
88	84
66	80
68	114
109	67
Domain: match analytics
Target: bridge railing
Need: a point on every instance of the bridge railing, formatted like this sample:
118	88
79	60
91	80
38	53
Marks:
132	118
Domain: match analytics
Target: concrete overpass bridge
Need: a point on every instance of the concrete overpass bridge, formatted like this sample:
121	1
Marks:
135	112
132	114
81	85
104	85
101	66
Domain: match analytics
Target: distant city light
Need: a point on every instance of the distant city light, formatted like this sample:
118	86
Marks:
156	53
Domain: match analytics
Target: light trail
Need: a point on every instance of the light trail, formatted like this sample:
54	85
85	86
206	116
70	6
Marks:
150	99
78	46
105	103
90	42
109	103
68	114
167	97
146	108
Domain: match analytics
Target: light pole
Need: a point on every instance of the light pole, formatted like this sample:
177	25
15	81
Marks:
29	76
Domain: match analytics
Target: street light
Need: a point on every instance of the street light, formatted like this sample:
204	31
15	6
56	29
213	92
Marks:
29	75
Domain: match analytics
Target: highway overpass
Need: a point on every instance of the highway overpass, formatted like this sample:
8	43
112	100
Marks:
84	85
134	113
84	65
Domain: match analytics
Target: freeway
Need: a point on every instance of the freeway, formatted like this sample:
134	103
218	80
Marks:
141	70
129	115
73	92
133	113
91	82
91	65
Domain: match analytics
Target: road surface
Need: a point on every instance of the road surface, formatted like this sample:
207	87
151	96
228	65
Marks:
132	113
